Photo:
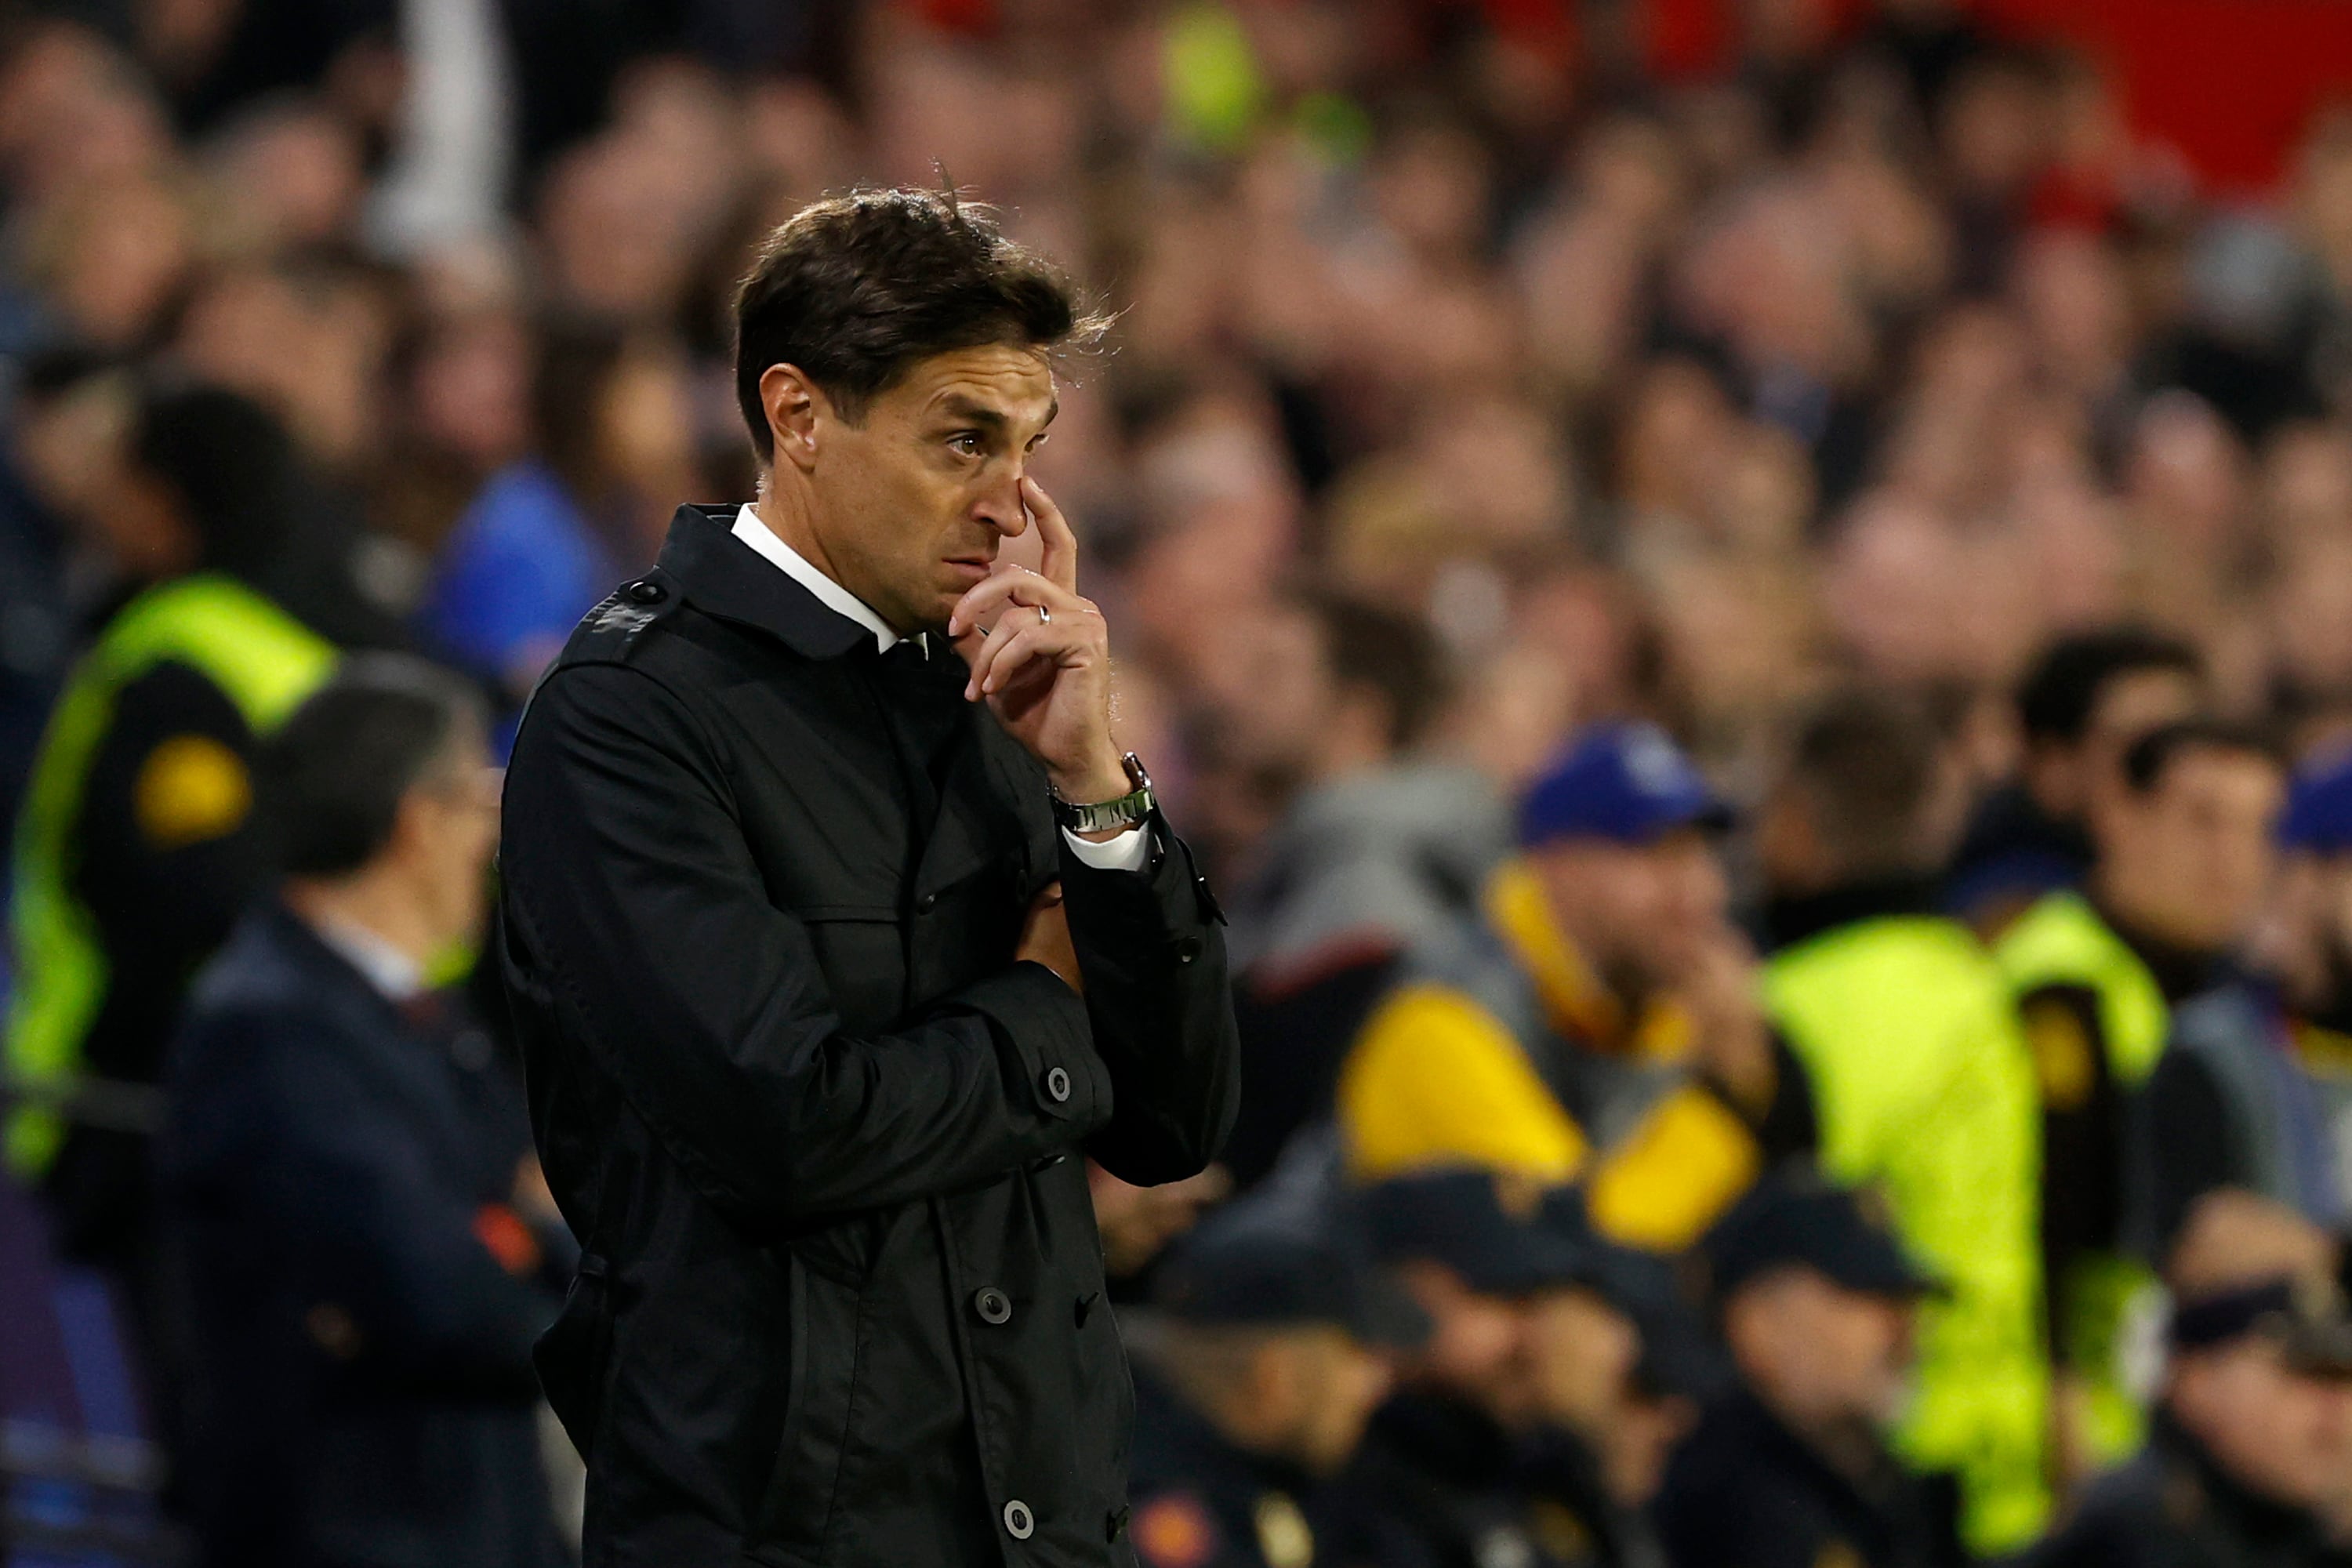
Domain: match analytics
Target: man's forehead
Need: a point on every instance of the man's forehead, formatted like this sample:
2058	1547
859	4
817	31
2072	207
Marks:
1014	383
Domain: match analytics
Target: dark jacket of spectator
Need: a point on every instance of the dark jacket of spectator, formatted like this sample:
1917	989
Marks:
2174	1507
1747	1493
1199	1502
817	1129
1434	1486
2234	1103
359	1366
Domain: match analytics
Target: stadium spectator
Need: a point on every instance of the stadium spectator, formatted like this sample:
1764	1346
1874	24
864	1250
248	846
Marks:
1551	1038
2086	700
1380	848
1434	1479
1257	1370
1797	1468
1905	1054
1617	1383
2183	852
362	1246
138	843
2247	1453
550	534
2252	1089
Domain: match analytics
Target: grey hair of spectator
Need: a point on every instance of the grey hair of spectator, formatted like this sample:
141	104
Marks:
334	775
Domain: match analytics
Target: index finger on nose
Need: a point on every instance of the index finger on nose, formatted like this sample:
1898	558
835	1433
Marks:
1060	565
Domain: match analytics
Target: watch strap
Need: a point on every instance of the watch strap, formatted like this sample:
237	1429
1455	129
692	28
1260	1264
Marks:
1100	817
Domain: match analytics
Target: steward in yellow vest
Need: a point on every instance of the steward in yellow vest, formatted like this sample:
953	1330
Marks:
137	844
2184	855
1919	1087
1556	1039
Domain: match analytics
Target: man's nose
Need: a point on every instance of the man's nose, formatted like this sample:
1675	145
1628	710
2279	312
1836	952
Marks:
999	503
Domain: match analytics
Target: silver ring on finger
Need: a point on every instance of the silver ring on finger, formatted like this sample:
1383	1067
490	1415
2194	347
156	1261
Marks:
1044	616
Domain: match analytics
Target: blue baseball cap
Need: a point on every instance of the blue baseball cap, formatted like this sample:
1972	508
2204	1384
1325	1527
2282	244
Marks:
1626	783
2319	806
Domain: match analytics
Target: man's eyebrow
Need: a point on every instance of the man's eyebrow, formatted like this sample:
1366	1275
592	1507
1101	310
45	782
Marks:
956	405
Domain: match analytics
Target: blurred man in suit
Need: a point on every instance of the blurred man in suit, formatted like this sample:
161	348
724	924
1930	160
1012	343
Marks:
359	1236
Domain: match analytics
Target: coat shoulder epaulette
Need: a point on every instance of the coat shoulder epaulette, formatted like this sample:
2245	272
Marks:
615	629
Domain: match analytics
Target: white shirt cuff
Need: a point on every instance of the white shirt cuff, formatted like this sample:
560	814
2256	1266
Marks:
1128	852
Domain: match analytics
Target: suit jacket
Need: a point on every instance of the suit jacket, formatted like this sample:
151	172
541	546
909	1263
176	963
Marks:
358	1369
842	1297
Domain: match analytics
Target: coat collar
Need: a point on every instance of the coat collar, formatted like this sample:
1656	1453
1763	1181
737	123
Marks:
718	573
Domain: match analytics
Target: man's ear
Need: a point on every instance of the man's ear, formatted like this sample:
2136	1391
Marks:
413	823
793	404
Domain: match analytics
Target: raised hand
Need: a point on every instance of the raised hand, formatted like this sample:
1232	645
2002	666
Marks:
1040	658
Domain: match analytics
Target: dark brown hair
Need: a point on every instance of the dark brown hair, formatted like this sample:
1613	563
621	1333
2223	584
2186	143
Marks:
1394	655
856	289
1865	760
2145	760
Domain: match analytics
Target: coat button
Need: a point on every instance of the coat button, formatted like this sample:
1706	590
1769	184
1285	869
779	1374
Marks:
927	903
1019	1523
1057	1085
1188	948
645	591
992	1305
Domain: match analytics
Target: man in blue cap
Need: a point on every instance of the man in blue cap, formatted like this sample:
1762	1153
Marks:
1555	1038
2254	1090
1794	1468
1266	1350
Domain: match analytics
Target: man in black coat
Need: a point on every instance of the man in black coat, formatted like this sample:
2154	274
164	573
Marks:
836	929
347	1179
1793	1469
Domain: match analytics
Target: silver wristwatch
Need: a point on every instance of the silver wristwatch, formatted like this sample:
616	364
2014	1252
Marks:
1127	810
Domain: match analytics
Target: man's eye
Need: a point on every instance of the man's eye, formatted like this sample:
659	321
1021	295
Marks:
966	441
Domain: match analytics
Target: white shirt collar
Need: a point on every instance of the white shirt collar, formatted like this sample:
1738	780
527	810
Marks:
830	594
383	965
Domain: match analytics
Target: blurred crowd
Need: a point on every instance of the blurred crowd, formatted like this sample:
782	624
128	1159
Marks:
1759	662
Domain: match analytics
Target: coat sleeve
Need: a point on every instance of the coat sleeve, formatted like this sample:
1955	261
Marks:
1152	947
649	933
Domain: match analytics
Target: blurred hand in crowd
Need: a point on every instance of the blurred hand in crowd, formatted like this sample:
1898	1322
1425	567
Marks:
1730	1043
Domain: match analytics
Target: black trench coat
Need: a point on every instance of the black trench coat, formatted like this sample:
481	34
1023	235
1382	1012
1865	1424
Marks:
820	1137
